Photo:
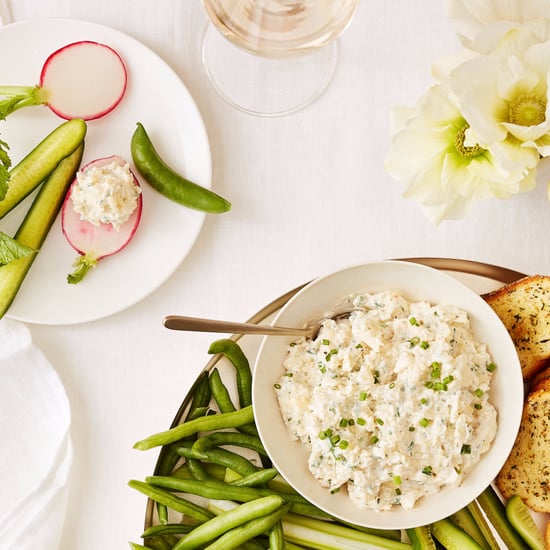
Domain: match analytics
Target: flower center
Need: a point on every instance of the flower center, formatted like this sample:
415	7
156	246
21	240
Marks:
466	151
527	110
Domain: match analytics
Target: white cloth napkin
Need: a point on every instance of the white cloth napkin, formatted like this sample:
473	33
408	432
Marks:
35	447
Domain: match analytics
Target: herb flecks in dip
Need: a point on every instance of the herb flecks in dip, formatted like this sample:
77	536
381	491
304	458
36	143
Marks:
392	403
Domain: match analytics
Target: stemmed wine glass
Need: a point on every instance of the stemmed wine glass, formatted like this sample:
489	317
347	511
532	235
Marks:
273	57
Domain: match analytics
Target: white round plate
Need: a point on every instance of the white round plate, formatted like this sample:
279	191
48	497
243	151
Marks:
157	98
416	282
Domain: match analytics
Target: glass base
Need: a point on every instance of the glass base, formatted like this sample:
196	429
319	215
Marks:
263	86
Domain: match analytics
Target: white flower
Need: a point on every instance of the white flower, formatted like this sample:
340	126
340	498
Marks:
505	95
481	24
435	153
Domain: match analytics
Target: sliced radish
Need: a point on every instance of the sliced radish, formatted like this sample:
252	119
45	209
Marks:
83	79
95	242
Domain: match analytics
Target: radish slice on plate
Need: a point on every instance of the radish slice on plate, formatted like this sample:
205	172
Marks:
101	212
84	79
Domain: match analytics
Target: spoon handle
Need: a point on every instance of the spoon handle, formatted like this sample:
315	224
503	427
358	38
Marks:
180	322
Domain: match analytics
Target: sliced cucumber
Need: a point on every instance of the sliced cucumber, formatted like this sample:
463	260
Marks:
496	512
421	538
520	517
41	161
483	527
36	225
453	537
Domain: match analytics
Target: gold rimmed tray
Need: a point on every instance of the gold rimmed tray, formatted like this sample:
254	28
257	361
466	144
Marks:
481	277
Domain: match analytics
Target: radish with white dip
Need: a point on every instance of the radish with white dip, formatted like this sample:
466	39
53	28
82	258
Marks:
101	212
84	79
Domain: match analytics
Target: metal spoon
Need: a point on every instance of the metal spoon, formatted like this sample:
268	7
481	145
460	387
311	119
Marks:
180	322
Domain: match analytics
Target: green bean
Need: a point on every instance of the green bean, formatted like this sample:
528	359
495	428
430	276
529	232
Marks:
197	470
218	439
204	423
213	470
237	536
157	543
176	503
235	517
220	393
201	398
229	459
136	546
221	396
261	477
232	351
167	529
167	182
219	490
276	537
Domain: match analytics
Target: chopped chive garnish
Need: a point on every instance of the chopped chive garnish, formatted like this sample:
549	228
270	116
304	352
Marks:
491	367
351	422
392	385
374	439
427	470
397	480
478	406
424	422
326	342
379	421
397	491
440	386
448	379
335	439
361	421
363	396
466	449
423	401
414	341
424	344
343	422
429	384
479	392
277	386
343	444
436	370
412	428
413	322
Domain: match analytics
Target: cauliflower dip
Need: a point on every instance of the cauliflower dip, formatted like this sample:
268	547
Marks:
106	193
392	403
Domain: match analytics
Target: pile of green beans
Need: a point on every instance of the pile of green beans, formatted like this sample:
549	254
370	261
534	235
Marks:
196	464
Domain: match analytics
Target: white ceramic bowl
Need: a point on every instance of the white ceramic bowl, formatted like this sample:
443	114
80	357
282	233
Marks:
416	282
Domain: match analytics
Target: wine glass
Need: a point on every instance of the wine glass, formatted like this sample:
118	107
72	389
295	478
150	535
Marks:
273	57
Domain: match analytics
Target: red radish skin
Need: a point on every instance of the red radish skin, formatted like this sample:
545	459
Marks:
84	79
95	242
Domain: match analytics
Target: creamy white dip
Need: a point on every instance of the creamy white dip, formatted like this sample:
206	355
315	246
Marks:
392	403
105	194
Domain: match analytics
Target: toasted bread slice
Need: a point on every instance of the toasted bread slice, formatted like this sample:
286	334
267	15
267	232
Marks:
524	308
527	470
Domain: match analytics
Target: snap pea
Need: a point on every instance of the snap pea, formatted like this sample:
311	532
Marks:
168	182
176	503
230	349
219	525
237	536
201	424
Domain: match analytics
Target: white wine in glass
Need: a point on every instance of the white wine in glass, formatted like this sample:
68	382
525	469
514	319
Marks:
272	57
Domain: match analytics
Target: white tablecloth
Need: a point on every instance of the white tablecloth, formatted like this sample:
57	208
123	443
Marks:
309	195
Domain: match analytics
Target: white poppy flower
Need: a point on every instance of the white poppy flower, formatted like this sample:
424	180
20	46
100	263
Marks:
505	95
436	154
481	24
